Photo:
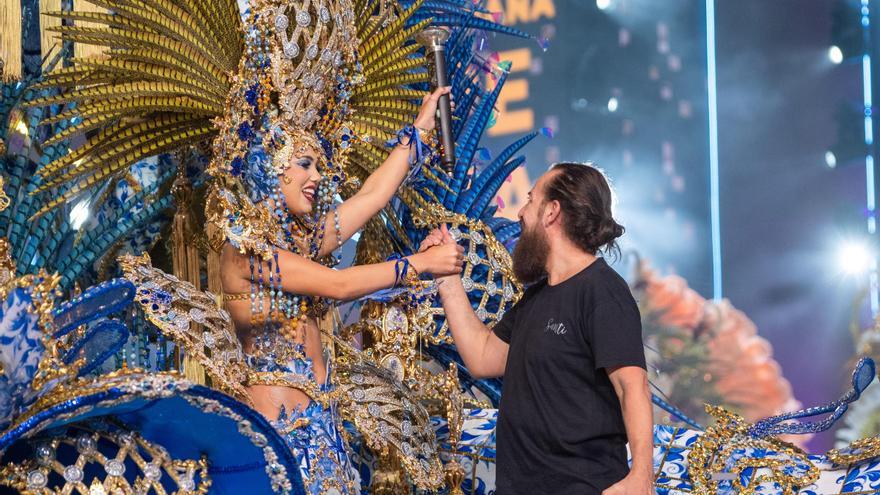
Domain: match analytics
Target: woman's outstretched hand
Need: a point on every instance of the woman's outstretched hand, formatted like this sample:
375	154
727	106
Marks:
426	119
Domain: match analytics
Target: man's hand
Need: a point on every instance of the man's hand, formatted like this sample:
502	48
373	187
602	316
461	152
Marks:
435	238
635	483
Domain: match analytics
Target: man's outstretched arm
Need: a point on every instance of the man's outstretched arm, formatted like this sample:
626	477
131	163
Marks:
484	354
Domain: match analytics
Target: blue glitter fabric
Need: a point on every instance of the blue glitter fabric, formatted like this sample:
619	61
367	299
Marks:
313	433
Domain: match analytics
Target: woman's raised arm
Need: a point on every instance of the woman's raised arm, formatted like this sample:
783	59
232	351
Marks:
380	186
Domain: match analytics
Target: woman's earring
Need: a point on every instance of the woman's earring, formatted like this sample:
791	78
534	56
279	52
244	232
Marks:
287	180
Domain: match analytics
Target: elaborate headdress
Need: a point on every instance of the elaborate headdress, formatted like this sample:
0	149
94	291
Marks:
330	75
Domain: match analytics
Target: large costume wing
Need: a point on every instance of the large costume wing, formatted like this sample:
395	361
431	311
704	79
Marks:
174	306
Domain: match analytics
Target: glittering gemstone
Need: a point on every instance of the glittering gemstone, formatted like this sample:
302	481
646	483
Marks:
467	283
455	233
374	409
73	474
303	18
482	314
181	322
425	464
312	52
395	320
491	287
357	378
383	428
152	472
477	237
338	19
319	85
307	80
358	394
259	440
36	479
406	448
125	437
114	467
495	264
337	60
197	315
474	258
406	427
85	444
326	55
45	453
208	337
187	483
183	293
291	49
324	14
281	22
508	292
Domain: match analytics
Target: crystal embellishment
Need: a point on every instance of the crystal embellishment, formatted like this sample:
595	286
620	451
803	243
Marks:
303	18
85	444
73	474
114	467
197	315
36	479
152	472
312	52
291	50
187	483
45	454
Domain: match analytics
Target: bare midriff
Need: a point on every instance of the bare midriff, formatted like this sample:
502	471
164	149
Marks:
268	399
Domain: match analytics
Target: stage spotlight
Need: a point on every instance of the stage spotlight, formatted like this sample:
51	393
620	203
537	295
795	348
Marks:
830	159
835	54
612	104
79	214
603	4
855	258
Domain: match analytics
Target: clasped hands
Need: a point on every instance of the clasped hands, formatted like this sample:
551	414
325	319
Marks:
439	244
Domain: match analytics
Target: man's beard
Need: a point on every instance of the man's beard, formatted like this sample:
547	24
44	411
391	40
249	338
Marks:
530	255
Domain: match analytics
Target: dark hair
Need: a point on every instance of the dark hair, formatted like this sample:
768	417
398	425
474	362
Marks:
585	201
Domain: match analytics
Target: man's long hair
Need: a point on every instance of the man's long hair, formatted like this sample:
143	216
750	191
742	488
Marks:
585	199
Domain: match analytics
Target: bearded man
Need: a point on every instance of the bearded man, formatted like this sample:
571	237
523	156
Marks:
575	388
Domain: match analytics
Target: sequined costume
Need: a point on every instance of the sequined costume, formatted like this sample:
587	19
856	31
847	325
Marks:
312	432
339	78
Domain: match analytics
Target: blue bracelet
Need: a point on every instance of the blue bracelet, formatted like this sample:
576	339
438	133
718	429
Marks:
418	149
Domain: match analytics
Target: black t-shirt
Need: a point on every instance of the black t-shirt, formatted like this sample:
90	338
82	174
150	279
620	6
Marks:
560	426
